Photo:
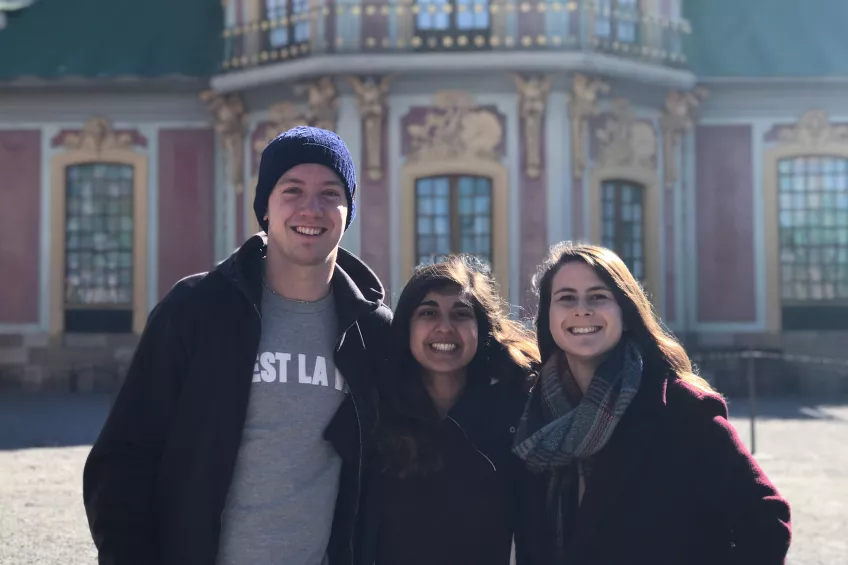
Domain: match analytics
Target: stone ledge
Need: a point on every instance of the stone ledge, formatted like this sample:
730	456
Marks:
11	340
15	355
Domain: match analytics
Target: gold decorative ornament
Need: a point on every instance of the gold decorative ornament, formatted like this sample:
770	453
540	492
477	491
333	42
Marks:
229	120
323	102
678	117
582	106
371	103
532	99
813	130
97	136
626	142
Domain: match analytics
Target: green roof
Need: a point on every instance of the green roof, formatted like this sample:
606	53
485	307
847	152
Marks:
767	38
112	38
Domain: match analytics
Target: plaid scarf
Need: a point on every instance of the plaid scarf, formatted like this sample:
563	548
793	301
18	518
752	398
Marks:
575	427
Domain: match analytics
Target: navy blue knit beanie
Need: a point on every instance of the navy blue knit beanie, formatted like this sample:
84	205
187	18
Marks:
304	144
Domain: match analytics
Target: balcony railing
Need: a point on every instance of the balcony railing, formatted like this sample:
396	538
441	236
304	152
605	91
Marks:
321	27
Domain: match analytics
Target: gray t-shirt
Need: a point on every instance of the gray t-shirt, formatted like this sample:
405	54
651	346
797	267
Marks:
280	504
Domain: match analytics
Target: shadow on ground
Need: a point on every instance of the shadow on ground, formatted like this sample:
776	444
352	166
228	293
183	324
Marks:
789	408
51	420
64	420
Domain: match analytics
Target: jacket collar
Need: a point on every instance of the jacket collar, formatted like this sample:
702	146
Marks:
489	409
356	288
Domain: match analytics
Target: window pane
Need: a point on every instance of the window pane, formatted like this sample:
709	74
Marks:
622	223
300	17
96	195
432	15
813	235
459	15
277	11
603	23
439	212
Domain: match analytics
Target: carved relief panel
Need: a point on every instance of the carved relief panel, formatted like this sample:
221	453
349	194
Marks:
453	128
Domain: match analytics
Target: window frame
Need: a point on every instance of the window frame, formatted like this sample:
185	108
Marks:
810	313
80	154
615	23
455	216
441	39
618	185
98	317
288	22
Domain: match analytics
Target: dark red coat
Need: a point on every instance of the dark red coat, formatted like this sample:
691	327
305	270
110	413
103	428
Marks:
674	486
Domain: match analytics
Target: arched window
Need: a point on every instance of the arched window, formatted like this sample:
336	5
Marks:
445	23
813	232
98	288
453	214
623	222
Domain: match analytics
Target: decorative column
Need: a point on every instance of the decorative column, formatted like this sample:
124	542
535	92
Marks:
678	118
581	106
230	120
532	99
373	186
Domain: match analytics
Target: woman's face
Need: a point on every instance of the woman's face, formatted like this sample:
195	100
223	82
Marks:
585	319
443	332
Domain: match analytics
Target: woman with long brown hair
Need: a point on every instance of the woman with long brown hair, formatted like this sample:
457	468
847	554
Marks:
632	458
441	486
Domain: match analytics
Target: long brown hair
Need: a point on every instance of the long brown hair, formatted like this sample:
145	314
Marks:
506	349
654	340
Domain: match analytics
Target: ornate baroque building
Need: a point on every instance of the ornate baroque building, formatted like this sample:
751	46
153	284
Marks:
714	163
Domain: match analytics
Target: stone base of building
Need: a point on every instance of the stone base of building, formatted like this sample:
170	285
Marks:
98	362
796	363
69	363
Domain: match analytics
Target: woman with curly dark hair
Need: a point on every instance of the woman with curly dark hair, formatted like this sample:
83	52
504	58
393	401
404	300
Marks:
442	480
632	456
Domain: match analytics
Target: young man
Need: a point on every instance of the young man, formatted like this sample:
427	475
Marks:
239	433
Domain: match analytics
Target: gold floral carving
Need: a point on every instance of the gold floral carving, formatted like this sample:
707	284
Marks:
229	117
283	116
98	136
454	129
532	98
626	142
582	106
679	116
323	101
812	130
371	103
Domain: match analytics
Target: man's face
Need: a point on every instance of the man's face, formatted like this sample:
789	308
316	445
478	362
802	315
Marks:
306	214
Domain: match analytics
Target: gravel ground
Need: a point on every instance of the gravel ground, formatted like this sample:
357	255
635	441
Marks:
801	443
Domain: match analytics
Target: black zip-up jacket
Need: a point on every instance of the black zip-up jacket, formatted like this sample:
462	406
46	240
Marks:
157	478
486	416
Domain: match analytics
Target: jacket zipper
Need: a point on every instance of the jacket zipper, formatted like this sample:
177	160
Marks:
361	454
358	477
495	469
258	315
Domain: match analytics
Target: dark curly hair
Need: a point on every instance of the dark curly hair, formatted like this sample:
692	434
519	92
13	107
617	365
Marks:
506	349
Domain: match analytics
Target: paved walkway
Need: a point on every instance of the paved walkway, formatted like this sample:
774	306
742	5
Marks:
802	445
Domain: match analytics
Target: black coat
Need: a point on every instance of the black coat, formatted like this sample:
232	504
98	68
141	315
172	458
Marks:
484	419
156	480
674	485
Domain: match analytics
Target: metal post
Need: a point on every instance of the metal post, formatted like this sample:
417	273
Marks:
752	401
